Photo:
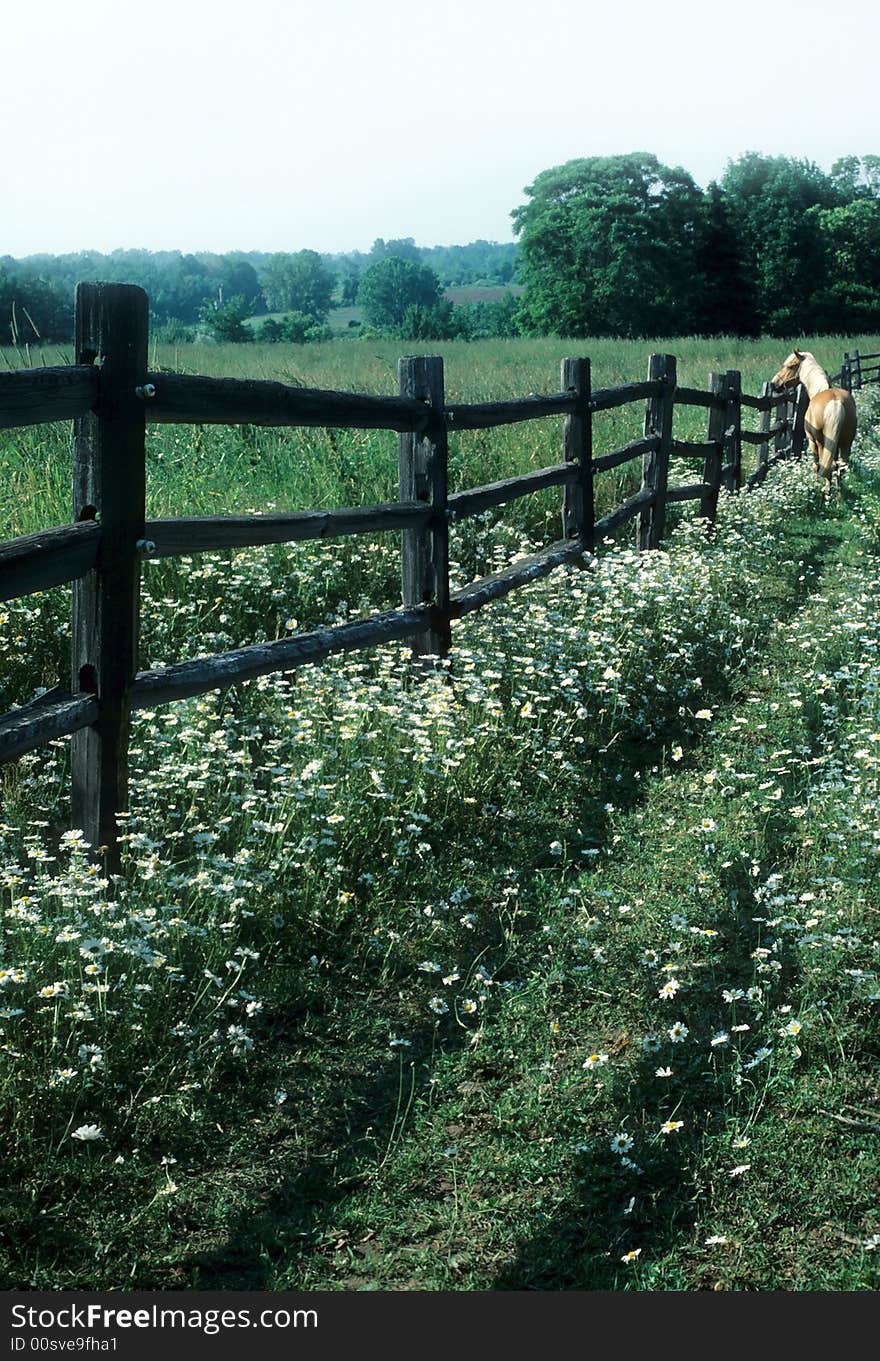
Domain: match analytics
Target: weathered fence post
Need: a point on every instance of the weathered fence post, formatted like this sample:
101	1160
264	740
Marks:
578	506
655	463
714	436
857	374
423	461
111	325
732	470
784	436
762	456
800	402
845	374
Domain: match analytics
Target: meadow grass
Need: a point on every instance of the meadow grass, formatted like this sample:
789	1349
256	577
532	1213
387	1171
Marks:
556	970
209	470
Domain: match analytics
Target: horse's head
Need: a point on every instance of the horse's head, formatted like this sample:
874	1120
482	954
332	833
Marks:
787	376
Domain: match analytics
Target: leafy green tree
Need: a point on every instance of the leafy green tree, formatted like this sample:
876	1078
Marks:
299	328
226	320
33	309
295	327
180	291
609	245
486	262
850	235
768	199
404	247
238	278
857	176
349	282
269	331
440	321
298	283
489	320
728	304
393	285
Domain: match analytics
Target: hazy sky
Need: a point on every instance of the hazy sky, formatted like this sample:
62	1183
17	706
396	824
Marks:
262	125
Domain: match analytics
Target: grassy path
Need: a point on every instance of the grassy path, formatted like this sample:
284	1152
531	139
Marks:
752	865
733	877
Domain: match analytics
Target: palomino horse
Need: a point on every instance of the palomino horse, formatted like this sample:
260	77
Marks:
830	422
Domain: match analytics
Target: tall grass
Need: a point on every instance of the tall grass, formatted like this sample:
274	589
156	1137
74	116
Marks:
208	470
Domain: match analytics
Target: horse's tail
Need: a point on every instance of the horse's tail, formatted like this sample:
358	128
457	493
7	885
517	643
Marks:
833	423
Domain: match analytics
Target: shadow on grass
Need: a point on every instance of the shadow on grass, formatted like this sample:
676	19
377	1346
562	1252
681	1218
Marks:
354	1112
613	1208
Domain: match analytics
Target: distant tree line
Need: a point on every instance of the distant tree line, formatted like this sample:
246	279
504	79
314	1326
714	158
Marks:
608	245
179	285
218	295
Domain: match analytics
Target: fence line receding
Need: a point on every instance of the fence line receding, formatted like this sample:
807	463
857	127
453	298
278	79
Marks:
111	397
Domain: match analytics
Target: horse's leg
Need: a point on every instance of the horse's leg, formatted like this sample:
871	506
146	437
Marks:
826	467
842	463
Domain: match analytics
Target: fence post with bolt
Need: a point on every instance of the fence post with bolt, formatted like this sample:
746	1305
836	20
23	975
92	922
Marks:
109	485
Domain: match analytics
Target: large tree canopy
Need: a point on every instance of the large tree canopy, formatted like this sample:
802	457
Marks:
610	245
769	198
729	304
623	245
850	239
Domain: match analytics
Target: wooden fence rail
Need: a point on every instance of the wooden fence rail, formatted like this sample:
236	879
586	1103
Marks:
112	397
856	370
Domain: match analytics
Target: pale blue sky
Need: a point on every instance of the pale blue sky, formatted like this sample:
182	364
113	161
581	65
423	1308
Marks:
262	125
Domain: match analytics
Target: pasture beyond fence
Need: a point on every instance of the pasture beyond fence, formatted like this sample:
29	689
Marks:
111	397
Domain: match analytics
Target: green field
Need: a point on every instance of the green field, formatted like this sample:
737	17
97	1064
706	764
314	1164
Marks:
343	320
468	293
555	970
212	469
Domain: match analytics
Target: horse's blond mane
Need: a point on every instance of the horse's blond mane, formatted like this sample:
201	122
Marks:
811	373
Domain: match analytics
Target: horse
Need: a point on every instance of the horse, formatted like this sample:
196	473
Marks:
830	421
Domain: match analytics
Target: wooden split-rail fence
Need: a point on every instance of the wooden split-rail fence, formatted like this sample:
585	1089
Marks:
857	370
111	397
